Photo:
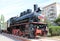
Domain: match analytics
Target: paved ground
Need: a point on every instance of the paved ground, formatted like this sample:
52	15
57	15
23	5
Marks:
45	39
7	37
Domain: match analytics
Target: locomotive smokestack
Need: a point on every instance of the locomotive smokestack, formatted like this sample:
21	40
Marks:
29	10
35	7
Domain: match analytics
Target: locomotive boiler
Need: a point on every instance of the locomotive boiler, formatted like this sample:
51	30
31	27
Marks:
27	24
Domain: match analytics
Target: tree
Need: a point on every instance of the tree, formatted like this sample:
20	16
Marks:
48	22
2	18
57	21
1	21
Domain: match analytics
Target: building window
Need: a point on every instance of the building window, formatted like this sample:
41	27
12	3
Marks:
52	6
51	13
51	10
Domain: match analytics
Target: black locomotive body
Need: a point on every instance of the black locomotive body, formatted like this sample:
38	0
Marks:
27	24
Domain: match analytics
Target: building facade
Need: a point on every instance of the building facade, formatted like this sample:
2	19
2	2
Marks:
52	11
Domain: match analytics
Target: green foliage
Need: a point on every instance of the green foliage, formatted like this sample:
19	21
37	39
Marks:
48	22
1	21
2	17
57	21
54	30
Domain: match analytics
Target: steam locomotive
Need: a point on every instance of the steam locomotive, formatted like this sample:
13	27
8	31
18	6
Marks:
27	24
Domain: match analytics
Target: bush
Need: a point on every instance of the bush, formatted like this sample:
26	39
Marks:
54	30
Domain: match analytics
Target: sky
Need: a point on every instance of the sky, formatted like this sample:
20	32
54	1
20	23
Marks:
11	8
